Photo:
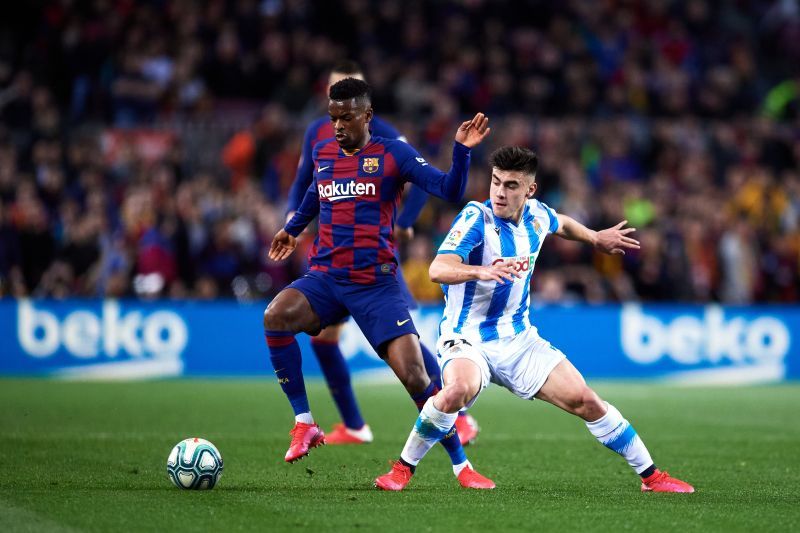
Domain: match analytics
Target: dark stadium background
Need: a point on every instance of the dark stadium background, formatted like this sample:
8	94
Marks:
161	137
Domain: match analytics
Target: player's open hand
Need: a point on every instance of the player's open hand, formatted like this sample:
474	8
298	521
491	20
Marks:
501	272
472	132
282	246
615	240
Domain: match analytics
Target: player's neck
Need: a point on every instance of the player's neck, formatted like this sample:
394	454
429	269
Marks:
361	145
516	218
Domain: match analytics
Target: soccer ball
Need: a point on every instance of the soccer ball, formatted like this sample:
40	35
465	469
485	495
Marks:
194	464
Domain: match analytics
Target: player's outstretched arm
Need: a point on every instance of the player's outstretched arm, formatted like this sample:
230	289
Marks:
472	132
282	246
450	269
612	240
451	185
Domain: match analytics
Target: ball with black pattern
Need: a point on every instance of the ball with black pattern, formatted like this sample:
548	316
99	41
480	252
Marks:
194	464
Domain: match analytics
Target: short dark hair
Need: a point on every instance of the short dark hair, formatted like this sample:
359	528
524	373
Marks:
347	66
515	158
351	88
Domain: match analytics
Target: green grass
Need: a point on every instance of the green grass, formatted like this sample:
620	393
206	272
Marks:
92	456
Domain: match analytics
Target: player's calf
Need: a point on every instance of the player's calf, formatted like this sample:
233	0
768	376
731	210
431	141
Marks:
404	357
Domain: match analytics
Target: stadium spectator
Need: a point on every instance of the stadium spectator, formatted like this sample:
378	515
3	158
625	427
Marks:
680	116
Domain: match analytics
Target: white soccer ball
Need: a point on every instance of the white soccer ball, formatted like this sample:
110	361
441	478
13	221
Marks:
194	464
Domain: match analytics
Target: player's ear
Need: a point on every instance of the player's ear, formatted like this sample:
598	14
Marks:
531	190
368	114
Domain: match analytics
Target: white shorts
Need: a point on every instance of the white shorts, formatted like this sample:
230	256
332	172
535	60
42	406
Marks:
520	363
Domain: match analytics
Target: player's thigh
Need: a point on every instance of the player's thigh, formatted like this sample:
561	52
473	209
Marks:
290	310
463	363
311	303
565	388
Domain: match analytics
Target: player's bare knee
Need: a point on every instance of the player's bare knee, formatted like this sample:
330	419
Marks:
272	319
454	397
586	404
279	318
594	407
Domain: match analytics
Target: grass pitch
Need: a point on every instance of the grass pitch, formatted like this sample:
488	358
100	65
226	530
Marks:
92	456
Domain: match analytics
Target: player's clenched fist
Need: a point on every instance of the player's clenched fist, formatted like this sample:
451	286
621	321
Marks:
472	132
282	246
500	272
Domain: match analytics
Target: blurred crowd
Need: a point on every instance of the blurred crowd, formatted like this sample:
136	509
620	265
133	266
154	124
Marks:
147	147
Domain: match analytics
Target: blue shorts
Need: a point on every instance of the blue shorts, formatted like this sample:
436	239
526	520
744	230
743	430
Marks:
379	309
410	301
407	296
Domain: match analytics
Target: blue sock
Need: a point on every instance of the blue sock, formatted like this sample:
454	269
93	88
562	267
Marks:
284	352
451	442
431	366
422	397
337	375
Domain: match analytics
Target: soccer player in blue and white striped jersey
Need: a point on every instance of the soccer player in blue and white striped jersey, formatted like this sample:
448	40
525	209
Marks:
487	334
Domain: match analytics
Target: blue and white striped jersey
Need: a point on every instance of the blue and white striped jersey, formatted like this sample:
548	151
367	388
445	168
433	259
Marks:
487	310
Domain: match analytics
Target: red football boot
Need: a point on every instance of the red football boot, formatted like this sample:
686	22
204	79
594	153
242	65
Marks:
304	437
470	479
344	435
467	428
396	479
662	482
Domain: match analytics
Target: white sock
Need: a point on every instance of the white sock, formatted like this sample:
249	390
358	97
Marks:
305	418
461	466
616	433
431	426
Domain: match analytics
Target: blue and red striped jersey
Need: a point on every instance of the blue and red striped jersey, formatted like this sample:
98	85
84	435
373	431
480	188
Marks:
322	129
356	198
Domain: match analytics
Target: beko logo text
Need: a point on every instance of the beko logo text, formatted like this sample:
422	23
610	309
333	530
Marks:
84	334
710	338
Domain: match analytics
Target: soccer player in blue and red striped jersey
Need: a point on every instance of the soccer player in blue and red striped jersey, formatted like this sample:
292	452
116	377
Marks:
353	429
358	181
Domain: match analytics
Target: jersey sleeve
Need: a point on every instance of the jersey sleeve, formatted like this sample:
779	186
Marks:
305	172
413	167
466	232
305	213
551	214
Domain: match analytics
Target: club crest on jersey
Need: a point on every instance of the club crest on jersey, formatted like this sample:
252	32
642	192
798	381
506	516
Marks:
537	227
370	164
